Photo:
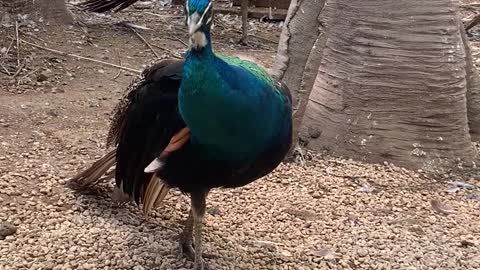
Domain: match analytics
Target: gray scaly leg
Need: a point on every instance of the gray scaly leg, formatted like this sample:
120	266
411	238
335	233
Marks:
186	238
198	212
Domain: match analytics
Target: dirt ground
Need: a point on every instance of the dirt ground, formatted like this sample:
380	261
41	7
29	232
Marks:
329	214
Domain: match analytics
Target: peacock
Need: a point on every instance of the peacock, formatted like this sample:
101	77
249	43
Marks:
207	121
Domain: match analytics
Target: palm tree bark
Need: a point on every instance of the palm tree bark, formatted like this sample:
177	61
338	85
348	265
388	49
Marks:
473	86
392	85
299	53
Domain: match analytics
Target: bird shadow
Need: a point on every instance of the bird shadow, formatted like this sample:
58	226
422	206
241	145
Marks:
169	219
97	200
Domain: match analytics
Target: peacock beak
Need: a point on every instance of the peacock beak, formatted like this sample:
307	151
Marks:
198	39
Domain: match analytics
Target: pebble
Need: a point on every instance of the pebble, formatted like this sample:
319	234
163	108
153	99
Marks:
214	211
467	243
362	252
7	229
43	76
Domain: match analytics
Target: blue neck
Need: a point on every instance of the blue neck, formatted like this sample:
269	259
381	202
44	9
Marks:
232	114
197	66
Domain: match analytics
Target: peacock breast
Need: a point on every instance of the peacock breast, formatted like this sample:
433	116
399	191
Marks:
230	114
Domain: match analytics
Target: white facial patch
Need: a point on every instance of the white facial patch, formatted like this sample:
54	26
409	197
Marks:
194	23
198	40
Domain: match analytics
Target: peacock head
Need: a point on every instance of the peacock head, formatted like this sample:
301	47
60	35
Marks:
199	15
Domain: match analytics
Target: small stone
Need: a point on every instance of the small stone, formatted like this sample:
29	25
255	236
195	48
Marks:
7	229
325	253
442	208
214	211
362	252
286	254
57	90
467	243
88	266
45	191
42	76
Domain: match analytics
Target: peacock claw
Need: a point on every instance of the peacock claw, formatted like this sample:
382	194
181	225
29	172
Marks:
187	249
200	265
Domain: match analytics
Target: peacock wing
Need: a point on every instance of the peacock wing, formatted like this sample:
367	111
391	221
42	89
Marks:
165	75
144	123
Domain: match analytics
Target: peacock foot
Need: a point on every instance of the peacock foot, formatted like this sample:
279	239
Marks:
187	249
200	265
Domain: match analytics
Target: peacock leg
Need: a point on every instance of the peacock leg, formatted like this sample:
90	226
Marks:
198	212
186	238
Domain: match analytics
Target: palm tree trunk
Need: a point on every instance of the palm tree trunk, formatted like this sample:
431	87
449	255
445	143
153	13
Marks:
299	53
473	87
392	84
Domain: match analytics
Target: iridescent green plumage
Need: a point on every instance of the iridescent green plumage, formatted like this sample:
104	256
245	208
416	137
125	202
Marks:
259	71
232	106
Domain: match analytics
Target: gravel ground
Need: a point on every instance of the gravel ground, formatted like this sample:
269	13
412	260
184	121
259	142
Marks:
329	214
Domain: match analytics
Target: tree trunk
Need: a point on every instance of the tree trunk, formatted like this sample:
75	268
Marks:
392	84
299	53
54	11
244	21
473	87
